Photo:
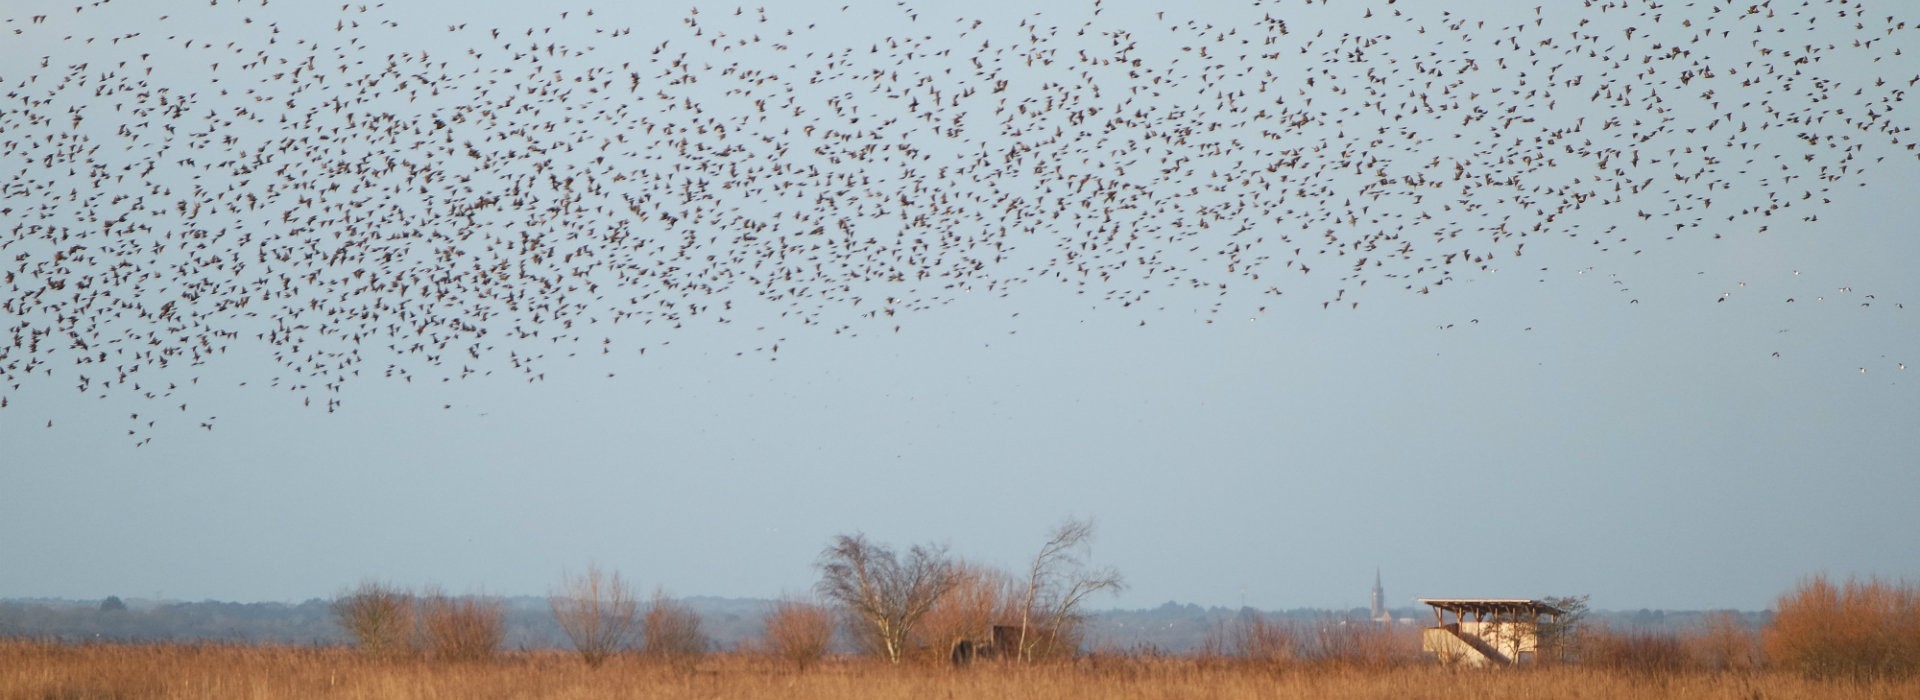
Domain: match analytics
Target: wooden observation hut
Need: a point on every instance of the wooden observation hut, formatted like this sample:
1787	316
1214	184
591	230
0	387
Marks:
1486	631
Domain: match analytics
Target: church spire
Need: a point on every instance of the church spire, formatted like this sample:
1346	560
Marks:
1379	607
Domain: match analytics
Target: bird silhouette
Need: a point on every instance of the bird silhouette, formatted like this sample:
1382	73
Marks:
325	194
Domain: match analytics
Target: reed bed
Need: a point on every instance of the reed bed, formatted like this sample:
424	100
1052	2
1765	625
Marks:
49	671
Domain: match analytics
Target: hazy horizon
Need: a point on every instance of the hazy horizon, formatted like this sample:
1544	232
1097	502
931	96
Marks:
136	602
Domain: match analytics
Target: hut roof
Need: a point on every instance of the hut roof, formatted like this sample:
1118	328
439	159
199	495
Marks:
1492	606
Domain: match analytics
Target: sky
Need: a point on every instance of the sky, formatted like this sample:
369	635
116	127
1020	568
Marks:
1631	321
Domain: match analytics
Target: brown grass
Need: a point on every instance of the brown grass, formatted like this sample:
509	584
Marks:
164	672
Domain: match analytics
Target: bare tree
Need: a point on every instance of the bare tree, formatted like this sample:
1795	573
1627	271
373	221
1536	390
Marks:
798	631
673	633
597	610
1561	638
379	617
1727	643
1057	582
465	628
883	595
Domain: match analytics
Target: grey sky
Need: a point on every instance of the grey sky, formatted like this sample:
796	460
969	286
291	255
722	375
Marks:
1603	414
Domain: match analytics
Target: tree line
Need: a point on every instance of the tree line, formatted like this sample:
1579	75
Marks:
922	603
895	605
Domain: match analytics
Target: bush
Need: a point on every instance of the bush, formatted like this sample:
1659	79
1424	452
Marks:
1725	643
671	632
1655	653
1861	629
799	632
463	629
1252	637
980	597
1363	643
379	617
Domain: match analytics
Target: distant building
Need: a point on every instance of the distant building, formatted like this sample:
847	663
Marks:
1502	631
1378	610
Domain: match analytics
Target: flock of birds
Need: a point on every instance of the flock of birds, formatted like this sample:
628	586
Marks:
353	189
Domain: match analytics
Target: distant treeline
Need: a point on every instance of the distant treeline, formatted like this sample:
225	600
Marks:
730	622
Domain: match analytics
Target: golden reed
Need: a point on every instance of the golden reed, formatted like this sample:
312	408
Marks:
51	671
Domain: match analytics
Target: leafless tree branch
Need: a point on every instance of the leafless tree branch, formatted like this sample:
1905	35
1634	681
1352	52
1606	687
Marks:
884	595
597	610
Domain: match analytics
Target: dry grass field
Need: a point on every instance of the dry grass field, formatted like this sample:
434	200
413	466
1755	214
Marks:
40	671
1828	641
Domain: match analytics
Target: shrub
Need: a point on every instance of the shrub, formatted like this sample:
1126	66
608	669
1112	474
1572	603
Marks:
1363	643
467	628
979	598
379	617
671	632
1251	636
1859	629
1724	642
1261	639
799	632
1640	652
